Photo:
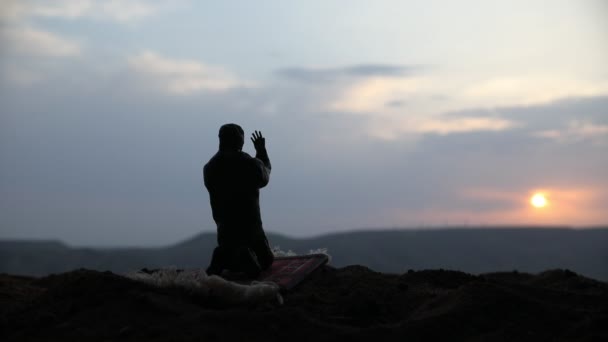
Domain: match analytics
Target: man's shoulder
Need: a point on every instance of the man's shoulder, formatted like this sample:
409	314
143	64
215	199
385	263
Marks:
242	157
212	161
228	158
245	155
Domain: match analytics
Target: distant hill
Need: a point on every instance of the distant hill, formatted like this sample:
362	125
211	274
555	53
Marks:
584	251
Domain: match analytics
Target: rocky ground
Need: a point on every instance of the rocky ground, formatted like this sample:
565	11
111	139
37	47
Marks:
352	304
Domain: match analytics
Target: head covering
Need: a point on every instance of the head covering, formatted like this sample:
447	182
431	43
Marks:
232	137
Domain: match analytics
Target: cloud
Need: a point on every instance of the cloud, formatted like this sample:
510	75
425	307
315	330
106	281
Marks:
315	75
53	9
419	103
19	76
402	106
576	130
529	90
31	41
371	94
569	120
117	10
11	9
181	76
437	93
463	125
397	101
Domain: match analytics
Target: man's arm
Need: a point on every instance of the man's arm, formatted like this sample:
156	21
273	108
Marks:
259	142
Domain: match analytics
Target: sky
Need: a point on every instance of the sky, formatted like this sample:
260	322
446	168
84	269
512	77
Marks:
377	114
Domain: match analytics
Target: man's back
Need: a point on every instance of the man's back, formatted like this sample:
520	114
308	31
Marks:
233	179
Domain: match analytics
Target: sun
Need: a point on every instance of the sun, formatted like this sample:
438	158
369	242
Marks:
539	200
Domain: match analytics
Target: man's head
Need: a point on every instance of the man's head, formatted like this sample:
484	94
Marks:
232	137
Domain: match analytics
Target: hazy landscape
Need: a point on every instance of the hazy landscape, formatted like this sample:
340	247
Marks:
394	251
449	156
499	284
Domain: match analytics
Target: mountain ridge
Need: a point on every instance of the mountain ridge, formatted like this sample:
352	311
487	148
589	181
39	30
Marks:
473	250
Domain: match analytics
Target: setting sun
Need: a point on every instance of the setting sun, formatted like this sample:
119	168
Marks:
538	200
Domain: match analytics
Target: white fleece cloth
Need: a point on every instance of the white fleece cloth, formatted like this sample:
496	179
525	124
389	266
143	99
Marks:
228	292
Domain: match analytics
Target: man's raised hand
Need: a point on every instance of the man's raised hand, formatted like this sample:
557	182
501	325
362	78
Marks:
258	141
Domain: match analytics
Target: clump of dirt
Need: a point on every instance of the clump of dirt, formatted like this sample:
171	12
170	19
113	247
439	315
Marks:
353	303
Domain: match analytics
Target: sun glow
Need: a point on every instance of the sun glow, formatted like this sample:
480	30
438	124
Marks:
538	200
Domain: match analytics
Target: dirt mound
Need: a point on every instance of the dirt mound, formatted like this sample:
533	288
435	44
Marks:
353	303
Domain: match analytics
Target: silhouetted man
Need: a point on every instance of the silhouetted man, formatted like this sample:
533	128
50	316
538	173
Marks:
233	179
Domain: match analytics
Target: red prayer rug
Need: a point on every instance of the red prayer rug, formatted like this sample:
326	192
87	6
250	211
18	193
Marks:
288	272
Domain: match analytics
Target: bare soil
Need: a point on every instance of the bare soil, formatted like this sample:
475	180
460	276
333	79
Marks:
352	303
